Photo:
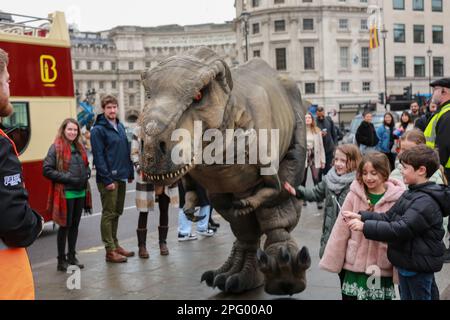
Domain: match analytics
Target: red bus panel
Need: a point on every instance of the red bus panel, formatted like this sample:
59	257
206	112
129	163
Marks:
39	71
35	182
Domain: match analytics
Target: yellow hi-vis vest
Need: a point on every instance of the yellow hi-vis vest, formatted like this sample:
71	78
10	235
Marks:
430	131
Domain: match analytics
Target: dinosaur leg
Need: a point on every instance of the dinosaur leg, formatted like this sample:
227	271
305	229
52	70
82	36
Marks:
240	271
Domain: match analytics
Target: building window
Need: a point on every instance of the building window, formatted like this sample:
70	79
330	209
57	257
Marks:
419	66
438	66
365	57
280	54
418	5
101	65
255	28
310	88
343	24
278	1
399	32
255	3
147	64
309	58
256	53
89	85
343	55
77	65
89	65
130	84
131	100
419	33
364	26
345	86
308	24
101	85
366	86
113	85
131	65
436	5
113	66
280	25
399	4
438	34
400	67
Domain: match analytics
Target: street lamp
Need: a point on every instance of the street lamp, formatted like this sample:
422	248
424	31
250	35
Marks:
384	35
244	17
429	54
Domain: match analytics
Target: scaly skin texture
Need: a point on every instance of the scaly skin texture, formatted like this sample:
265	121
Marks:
199	86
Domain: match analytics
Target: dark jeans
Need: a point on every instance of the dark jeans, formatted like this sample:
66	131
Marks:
70	231
391	156
422	286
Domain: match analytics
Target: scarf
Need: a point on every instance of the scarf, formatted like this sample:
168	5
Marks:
57	203
337	183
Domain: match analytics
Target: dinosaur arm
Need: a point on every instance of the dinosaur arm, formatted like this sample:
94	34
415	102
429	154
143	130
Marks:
270	190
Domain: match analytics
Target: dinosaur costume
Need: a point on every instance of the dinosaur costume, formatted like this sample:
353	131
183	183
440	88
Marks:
199	86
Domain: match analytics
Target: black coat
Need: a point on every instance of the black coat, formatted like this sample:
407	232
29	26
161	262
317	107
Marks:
76	176
330	141
413	228
366	134
19	224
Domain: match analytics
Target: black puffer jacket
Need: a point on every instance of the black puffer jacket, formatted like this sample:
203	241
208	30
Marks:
366	134
413	228
75	178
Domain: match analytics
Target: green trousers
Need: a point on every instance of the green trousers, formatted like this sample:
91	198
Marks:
112	203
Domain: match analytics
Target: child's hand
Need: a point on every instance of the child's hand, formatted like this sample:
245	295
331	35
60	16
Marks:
351	215
290	188
355	225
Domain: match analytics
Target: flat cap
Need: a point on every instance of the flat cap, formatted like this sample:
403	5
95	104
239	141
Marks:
444	82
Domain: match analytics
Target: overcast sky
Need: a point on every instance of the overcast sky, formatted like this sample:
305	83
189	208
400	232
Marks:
97	15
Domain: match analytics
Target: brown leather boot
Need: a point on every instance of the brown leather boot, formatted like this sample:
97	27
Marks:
163	249
114	257
124	252
142	238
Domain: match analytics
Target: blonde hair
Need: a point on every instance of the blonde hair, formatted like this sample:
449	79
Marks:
414	135
353	155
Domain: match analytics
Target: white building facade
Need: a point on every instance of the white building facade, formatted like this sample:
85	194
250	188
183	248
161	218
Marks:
322	44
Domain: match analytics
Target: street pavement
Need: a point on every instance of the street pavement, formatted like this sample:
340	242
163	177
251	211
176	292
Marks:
173	277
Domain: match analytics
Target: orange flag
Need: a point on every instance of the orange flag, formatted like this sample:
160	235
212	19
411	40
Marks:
374	42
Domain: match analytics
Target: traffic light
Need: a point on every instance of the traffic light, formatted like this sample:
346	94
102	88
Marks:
407	91
381	97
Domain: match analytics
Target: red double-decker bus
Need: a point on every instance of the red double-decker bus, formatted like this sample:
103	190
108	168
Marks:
42	92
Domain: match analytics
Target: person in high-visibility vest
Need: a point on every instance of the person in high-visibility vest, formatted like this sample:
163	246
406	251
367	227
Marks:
19	224
437	132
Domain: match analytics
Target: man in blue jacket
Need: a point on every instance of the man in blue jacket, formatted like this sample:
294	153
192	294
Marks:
111	152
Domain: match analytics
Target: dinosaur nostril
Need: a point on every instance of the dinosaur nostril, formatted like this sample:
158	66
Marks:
162	147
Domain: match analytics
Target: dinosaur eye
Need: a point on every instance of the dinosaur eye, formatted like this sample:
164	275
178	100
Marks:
198	96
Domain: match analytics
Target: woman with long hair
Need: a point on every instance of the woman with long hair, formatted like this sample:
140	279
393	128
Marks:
67	166
315	159
386	138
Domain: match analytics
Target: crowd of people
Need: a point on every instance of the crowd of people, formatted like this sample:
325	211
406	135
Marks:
385	199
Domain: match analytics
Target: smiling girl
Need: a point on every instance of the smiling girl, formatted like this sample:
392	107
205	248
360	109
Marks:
350	253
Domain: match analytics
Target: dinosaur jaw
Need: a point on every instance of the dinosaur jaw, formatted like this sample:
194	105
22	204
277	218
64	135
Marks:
167	178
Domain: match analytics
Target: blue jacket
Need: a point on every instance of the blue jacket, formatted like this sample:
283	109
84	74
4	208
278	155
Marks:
384	139
111	151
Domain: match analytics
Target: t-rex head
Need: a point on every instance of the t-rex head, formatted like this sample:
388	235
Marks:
182	89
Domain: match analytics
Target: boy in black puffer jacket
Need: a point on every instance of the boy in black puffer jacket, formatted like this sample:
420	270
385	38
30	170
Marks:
413	226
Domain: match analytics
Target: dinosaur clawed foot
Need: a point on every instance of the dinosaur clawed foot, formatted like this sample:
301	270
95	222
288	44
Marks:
243	207
240	273
284	268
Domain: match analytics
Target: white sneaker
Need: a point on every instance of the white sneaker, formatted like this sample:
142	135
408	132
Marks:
186	237
206	233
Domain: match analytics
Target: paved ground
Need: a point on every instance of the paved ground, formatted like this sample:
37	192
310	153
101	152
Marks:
177	276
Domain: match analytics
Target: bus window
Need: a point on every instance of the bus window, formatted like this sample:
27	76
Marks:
17	126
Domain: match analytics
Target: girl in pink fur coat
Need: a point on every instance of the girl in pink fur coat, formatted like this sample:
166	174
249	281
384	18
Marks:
365	271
